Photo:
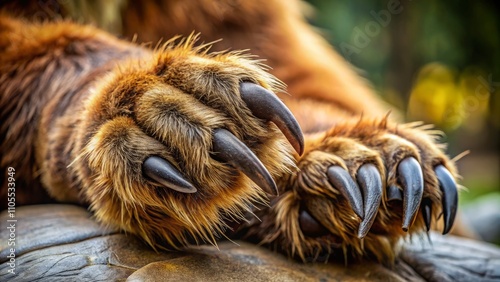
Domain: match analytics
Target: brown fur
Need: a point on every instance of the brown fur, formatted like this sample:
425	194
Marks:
273	30
81	111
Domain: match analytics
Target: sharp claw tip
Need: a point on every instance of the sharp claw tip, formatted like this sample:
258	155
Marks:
446	230
427	214
266	105
412	181
189	191
362	231
274	191
162	172
370	183
407	224
449	203
300	149
236	153
342	181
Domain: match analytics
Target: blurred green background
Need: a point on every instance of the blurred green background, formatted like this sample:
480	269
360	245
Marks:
437	61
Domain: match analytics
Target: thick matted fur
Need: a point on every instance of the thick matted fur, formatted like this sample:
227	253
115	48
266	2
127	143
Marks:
82	110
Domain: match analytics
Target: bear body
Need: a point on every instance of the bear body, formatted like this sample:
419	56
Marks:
183	144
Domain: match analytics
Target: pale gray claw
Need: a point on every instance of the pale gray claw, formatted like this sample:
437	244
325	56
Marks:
231	150
166	174
265	105
370	183
342	180
449	197
412	182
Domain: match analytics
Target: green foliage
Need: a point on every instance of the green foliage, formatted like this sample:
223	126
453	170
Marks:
438	61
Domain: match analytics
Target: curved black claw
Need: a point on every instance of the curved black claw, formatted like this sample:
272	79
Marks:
449	198
229	149
166	174
394	194
266	105
371	185
412	181
310	226
341	180
427	213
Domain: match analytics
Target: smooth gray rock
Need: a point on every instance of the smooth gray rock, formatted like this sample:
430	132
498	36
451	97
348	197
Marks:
63	243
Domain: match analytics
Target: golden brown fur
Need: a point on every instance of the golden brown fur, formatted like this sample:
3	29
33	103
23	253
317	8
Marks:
81	111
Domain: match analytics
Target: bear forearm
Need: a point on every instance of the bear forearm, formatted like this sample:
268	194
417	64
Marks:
37	62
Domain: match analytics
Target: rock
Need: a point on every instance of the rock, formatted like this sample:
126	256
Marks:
62	242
